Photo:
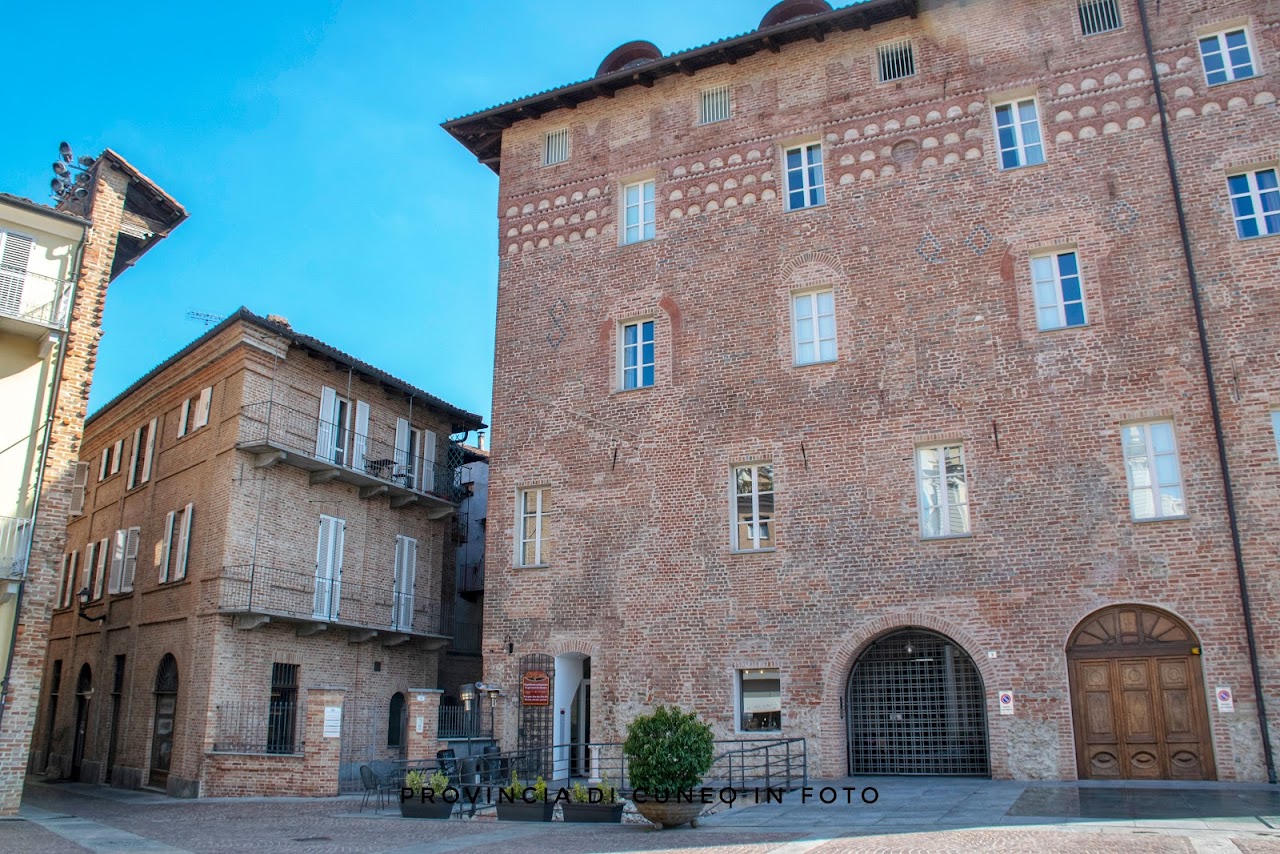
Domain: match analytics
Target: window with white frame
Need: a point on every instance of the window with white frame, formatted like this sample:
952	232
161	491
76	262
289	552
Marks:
405	572
1018	133
555	147
805	188
15	261
144	447
753	522
814	326
944	491
1275	429
1255	203
110	460
333	427
330	544
100	573
1151	466
67	583
415	457
714	105
1059	296
760	699
176	544
92	555
124	560
896	60
535	527
636	359
1098	16
637	212
195	412
1227	56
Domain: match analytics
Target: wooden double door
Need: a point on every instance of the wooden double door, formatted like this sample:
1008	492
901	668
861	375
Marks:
1138	698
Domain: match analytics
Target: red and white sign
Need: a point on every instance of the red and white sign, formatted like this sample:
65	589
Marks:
1226	702
1006	702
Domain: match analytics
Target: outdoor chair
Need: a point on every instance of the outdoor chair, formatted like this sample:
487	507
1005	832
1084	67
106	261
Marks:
372	786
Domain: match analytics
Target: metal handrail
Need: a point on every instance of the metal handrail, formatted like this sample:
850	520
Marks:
15	545
31	305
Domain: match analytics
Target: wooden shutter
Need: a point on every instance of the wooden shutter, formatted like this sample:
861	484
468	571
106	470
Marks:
106	461
182	418
324	569
15	260
104	551
167	548
62	583
184	543
339	538
362	436
116	453
133	459
324	430
406	570
90	566
428	477
150	450
202	407
117	562
79	484
130	559
402	446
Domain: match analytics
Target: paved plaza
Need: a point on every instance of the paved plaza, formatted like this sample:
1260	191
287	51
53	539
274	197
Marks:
908	814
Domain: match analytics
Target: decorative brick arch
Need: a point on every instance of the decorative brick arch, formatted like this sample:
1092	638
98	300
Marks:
1084	615
589	648
816	258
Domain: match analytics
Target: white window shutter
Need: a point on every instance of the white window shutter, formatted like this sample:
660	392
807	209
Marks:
362	436
15	261
117	562
133	459
324	432
62	583
202	407
116	454
86	569
104	552
402	446
182	418
339	538
406	587
427	480
150	450
184	543
167	549
89	567
130	559
397	585
79	484
106	461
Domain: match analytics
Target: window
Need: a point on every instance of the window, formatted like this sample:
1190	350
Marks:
282	709
1059	297
804	177
91	558
715	105
944	494
329	548
1098	16
1226	56
1151	465
15	260
176	544
637	212
144	446
124	560
67	584
405	572
100	574
110	460
415	457
555	147
1018	133
334	424
896	60
760	698
1275	429
637	354
79	487
195	412
535	527
1255	202
814	327
397	720
753	507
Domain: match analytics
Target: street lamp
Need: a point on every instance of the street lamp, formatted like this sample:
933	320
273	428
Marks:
83	596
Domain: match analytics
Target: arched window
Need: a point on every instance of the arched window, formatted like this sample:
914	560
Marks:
396	720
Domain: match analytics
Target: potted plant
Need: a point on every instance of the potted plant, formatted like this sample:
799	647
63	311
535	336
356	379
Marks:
667	753
514	806
434	804
598	803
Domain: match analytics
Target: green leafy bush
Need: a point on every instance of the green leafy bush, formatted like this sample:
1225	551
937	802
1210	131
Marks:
668	751
415	780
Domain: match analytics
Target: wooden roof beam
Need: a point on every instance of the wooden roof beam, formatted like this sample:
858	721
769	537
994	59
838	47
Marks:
684	68
773	46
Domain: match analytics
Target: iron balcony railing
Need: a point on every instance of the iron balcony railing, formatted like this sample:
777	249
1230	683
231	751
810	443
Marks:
265	726
302	596
466	636
35	298
279	426
461	722
15	543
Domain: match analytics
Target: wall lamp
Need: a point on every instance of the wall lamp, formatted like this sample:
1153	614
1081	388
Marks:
83	596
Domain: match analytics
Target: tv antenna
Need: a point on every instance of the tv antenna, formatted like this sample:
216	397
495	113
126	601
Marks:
207	318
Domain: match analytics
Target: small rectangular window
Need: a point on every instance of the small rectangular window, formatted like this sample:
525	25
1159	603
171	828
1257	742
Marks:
1151	466
535	527
282	709
944	491
1098	16
760	696
637	212
1275	429
1059	296
753	522
805	188
896	60
555	147
714	105
1255	203
637	354
1227	56
1018	133
814	326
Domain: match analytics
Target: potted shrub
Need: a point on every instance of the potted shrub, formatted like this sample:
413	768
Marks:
667	753
598	803
514	806
434	804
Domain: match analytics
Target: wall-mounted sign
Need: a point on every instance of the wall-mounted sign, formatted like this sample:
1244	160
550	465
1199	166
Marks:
535	688
1006	702
1226	702
333	721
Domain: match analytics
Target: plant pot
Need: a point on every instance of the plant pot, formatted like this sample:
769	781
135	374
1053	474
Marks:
606	813
417	808
521	811
673	813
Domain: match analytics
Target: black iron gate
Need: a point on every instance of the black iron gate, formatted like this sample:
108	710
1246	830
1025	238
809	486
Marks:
537	719
915	705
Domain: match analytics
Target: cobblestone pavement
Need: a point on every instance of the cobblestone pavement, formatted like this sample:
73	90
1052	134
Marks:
928	815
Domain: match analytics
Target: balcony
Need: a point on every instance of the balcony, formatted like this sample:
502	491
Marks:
33	305
275	433
258	595
15	543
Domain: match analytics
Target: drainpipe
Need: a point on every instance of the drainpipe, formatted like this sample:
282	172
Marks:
1214	406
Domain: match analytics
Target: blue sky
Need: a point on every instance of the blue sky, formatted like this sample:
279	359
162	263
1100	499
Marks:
304	140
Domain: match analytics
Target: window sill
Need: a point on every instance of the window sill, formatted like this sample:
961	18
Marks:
805	208
751	732
631	390
623	244
1178	518
817	363
1041	165
945	537
1256	236
1232	80
531	566
753	551
1052	329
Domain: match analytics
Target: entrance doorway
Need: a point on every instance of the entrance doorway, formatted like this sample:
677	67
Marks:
162	728
1137	697
84	693
572	715
915	705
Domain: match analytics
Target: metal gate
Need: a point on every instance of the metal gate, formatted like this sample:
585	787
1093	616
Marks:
534	736
915	705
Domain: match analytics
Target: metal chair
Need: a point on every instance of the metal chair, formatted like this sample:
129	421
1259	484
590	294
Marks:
371	785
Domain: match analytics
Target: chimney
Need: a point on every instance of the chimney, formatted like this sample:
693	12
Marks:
480	440
280	320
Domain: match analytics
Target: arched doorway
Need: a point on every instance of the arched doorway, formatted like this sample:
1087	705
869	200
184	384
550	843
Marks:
166	712
1137	697
397	722
915	705
84	692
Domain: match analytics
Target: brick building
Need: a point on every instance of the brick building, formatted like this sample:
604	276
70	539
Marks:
55	266
854	383
256	580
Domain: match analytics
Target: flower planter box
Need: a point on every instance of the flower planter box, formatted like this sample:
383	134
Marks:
417	808
673	813
521	811
607	813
